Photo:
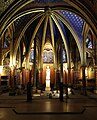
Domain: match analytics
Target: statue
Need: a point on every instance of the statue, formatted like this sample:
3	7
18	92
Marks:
48	73
47	79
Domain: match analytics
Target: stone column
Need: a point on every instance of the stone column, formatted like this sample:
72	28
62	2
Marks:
40	65
95	61
83	64
95	74
1	51
27	75
35	66
20	58
0	58
55	77
66	84
12	67
61	63
40	76
12	73
61	71
69	76
84	91
55	65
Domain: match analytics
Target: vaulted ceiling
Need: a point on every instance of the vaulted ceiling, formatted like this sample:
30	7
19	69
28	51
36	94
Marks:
53	19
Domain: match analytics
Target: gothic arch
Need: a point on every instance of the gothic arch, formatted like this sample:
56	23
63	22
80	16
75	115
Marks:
13	14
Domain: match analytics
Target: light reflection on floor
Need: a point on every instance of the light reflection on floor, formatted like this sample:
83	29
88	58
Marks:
54	93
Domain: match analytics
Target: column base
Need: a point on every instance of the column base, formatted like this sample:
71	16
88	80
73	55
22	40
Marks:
47	89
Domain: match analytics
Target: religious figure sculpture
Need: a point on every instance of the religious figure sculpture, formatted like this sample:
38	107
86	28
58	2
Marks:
47	79
48	73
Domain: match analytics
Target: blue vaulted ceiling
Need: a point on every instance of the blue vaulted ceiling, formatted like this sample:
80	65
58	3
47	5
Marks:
76	21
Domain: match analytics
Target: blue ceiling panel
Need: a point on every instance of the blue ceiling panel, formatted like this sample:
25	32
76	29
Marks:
76	21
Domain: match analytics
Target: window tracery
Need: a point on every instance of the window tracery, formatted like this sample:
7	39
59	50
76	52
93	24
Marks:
89	41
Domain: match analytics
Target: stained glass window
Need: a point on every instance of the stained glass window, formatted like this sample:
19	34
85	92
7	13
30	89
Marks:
48	56
32	55
64	56
5	45
88	43
6	42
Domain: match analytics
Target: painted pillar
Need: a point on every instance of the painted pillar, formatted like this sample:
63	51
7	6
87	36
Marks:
1	58
95	75
40	66
55	64
69	69
20	65
1	67
30	75
69	76
27	76
95	62
35	63
61	71
20	57
83	63
1	39
55	77
40	76
61	63
23	76
12	73
84	92
12	68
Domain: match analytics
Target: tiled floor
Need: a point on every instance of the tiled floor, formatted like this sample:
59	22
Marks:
78	107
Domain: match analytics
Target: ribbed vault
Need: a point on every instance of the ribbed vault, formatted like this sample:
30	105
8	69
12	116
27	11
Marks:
59	16
64	30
